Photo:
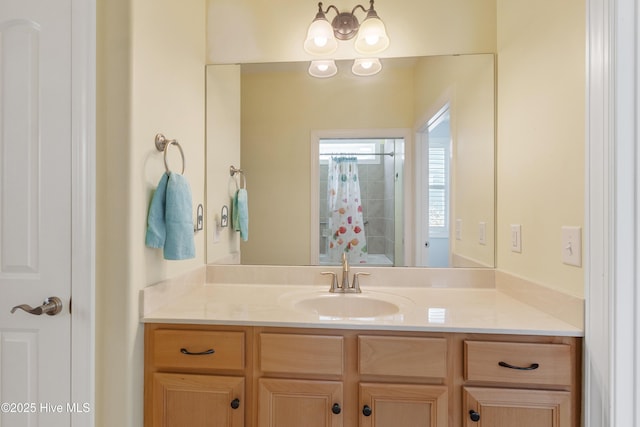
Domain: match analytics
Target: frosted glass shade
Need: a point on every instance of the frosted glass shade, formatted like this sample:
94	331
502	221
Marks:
320	38
366	66
372	37
323	68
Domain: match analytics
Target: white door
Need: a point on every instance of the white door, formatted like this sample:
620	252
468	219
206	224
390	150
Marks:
35	211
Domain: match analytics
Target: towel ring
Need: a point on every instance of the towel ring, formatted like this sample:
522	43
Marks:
162	144
243	179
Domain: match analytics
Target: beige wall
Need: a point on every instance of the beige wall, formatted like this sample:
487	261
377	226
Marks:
467	84
279	112
541	136
150	80
223	151
274	31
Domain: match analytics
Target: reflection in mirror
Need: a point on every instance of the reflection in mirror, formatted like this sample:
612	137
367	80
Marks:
359	179
283	109
435	167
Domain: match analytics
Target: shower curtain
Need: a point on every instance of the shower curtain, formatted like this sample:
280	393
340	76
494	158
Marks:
345	212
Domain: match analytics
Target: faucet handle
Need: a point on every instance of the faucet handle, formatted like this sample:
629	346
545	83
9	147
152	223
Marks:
334	280
355	286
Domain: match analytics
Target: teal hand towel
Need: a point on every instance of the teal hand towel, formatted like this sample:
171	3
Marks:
241	213
180	242
170	220
156	227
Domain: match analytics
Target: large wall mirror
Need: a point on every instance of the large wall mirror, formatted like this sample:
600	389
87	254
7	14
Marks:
427	186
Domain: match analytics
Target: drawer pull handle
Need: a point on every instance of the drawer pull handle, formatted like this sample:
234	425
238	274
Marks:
336	409
235	403
202	353
520	368
366	411
474	416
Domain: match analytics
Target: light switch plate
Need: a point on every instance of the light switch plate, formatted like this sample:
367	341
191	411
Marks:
572	245
482	233
516	238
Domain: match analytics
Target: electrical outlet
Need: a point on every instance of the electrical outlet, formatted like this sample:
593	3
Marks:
572	246
516	238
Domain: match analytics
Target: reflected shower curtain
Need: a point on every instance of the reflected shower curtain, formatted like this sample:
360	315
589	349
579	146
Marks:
345	211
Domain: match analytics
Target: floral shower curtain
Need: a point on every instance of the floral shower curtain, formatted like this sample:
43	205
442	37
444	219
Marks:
345	211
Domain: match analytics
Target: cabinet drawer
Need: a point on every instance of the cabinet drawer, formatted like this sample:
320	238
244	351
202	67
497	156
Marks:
522	363
402	356
198	349
302	354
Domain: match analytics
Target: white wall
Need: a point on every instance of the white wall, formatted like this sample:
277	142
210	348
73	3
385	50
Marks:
150	79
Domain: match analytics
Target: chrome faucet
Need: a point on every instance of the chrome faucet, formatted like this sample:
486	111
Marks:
345	272
343	286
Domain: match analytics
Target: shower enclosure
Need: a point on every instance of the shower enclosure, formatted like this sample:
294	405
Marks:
379	186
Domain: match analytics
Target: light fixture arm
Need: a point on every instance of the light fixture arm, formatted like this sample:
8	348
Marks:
371	12
322	13
359	6
345	24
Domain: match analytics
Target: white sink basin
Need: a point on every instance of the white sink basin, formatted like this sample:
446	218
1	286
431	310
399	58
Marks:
369	305
347	305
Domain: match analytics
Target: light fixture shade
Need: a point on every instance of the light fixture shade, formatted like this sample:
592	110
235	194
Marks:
366	66
320	38
372	36
323	68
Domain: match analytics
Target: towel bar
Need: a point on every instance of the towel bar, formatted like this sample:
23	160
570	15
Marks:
162	144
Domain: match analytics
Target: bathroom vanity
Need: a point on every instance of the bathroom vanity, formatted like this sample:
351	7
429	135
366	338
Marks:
263	356
281	377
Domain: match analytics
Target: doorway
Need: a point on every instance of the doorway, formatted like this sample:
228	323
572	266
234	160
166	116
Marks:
434	190
359	200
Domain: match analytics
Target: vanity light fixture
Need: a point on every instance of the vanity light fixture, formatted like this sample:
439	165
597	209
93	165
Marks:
323	68
366	66
322	36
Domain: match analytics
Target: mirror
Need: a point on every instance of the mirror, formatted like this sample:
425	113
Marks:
285	112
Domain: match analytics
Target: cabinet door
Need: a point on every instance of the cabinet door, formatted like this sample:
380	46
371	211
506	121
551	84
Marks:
181	400
500	407
393	405
296	403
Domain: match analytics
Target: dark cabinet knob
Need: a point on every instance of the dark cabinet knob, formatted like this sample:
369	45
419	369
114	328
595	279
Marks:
475	417
366	410
336	409
235	403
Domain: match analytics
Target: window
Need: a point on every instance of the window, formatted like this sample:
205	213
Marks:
438	189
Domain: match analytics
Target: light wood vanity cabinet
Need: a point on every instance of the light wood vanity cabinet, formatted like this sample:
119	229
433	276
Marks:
195	376
398	362
291	377
546	376
301	379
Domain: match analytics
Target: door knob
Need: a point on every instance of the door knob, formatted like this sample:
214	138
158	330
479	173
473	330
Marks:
50	306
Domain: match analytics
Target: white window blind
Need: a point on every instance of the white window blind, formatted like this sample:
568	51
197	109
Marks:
438	189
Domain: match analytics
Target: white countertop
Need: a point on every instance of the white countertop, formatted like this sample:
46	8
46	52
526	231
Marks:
418	309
